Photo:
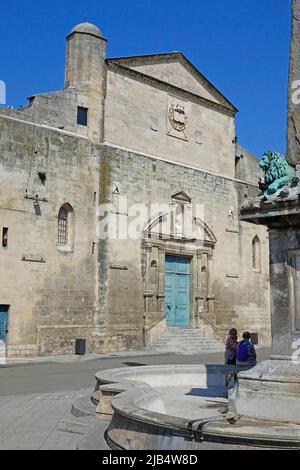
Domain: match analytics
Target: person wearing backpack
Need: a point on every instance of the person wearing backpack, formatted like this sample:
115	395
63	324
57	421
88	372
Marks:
246	353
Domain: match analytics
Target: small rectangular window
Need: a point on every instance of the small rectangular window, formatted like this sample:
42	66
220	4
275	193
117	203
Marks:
237	161
4	237
82	116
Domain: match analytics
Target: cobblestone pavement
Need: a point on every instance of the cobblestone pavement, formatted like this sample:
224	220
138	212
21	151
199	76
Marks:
33	421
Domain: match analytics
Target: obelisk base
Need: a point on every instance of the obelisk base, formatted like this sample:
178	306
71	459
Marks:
270	391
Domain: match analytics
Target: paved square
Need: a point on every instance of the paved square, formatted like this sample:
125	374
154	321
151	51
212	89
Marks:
32	422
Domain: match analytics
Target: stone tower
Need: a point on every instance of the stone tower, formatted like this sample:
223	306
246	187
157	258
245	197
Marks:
86	72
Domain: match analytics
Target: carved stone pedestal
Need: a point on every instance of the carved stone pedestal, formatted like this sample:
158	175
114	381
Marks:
271	390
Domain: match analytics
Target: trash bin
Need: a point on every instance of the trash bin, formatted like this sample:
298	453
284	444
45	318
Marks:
80	346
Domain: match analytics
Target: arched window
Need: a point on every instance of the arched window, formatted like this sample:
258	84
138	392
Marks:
256	254
65	227
153	273
62	236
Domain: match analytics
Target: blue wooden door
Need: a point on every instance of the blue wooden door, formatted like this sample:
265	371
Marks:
177	290
3	327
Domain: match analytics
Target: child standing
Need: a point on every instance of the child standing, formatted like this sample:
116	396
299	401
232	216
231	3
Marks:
231	347
246	353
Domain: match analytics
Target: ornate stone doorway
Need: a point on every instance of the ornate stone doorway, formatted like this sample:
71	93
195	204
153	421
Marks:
159	246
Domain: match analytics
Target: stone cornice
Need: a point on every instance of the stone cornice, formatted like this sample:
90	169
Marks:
172	89
173	57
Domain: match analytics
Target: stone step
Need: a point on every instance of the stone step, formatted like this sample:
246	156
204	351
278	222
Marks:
83	406
187	348
191	350
188	336
96	397
192	342
186	340
186	330
189	343
182	338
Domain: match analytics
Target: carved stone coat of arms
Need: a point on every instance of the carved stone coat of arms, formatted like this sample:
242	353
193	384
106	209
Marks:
177	121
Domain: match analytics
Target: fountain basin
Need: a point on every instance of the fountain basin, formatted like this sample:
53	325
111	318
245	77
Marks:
162	407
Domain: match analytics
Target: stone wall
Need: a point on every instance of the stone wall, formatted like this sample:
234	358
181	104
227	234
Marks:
96	289
51	292
247	166
241	292
131	105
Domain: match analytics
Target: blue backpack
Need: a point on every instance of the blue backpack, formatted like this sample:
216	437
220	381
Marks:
243	351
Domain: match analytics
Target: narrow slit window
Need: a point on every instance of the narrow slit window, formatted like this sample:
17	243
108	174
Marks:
82	116
5	237
62	238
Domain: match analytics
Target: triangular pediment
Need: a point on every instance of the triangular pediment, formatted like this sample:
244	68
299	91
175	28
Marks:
176	70
165	227
181	196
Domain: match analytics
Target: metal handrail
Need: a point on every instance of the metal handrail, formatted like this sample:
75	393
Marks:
208	322
149	328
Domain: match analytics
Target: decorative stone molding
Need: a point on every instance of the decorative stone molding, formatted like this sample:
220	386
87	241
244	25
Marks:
201	268
182	197
171	89
174	57
199	297
148	294
160	295
177	120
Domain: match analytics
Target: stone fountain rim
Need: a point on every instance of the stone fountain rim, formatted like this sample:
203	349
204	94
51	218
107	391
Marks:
128	396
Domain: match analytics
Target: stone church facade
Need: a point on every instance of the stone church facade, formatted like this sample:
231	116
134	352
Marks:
119	202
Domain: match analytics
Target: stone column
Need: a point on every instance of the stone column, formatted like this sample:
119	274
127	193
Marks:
161	279
199	265
199	295
210	296
148	293
293	124
204	285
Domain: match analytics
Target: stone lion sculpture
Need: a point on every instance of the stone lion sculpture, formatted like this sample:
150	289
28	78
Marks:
277	171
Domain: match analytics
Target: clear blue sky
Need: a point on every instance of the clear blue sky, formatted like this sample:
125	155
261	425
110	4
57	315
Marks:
242	46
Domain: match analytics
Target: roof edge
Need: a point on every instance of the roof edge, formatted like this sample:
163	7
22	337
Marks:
177	56
224	108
